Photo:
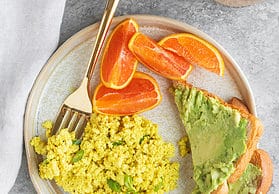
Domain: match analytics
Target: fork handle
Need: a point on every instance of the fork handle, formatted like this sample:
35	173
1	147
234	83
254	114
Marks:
100	39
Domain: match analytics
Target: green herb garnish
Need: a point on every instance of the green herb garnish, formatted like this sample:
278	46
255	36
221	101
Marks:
141	139
131	192
45	162
128	182
159	185
76	141
114	185
118	143
78	156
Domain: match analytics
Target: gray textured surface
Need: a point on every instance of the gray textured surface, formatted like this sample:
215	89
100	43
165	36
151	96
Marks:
250	34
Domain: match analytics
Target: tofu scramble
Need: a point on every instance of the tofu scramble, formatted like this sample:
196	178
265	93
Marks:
116	155
184	149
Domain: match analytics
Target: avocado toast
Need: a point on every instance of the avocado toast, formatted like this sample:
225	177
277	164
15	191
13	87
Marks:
223	137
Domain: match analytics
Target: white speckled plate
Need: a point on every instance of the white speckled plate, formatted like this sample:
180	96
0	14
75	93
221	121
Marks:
64	70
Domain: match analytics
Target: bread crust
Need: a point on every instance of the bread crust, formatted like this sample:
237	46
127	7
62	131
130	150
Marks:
222	189
262	160
239	104
253	138
255	132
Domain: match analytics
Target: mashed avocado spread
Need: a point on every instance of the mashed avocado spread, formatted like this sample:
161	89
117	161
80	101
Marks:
217	135
247	183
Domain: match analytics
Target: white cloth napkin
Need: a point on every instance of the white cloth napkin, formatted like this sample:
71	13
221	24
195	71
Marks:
29	34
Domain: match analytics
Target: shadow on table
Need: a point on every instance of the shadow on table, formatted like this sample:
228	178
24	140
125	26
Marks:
23	184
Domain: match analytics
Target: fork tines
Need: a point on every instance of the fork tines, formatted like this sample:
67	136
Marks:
72	119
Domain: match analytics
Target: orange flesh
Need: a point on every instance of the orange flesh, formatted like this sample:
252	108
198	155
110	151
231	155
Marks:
119	64
141	94
196	52
158	59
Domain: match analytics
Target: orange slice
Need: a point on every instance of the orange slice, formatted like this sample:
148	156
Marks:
118	63
196	50
141	94
158	59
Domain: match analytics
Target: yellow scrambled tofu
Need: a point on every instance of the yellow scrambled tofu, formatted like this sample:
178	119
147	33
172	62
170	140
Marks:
183	148
116	155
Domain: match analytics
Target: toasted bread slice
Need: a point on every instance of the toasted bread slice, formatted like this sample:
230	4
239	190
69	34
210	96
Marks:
260	180
254	134
241	163
262	160
254	131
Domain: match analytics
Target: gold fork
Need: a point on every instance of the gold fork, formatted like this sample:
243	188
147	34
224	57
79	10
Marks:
77	108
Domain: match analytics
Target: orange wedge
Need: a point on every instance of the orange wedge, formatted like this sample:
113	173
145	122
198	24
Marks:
158	59
196	50
118	63
141	94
